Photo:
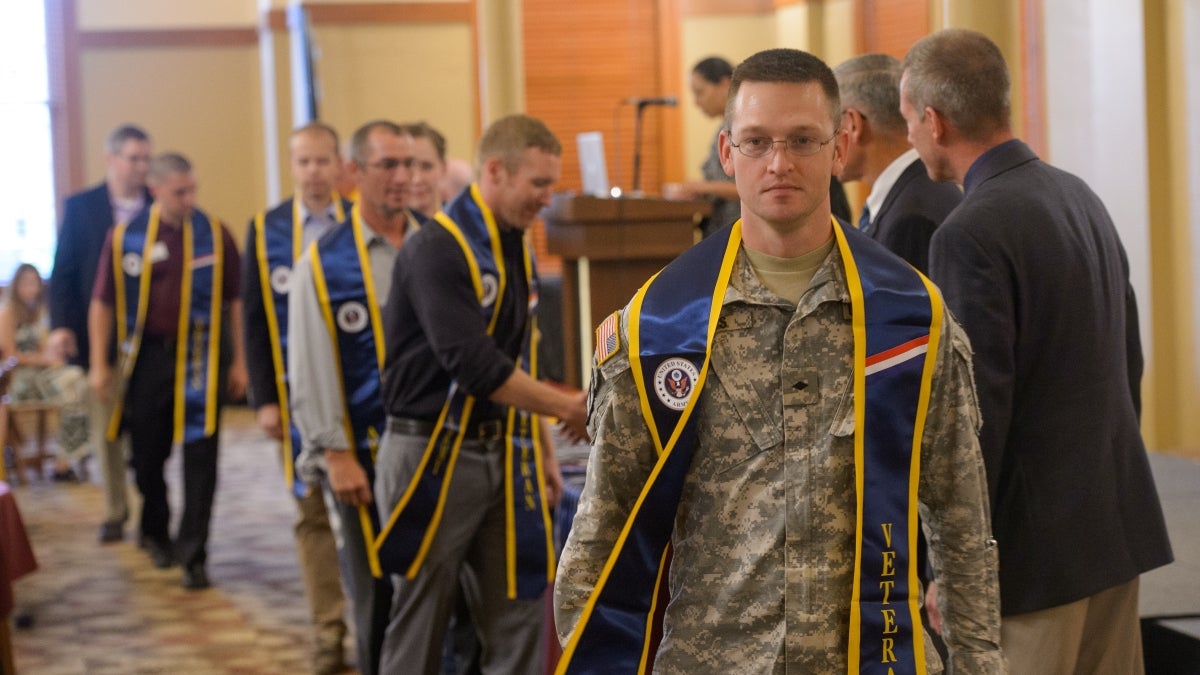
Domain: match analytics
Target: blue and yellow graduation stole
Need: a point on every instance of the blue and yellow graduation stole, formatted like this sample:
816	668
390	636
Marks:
897	321
198	341
409	532
279	236
350	307
671	320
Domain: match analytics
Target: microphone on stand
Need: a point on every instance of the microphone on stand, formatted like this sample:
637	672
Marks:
642	102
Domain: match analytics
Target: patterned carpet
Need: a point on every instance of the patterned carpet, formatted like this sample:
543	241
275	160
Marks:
106	610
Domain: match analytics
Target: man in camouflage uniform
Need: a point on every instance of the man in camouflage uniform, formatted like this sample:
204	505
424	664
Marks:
764	536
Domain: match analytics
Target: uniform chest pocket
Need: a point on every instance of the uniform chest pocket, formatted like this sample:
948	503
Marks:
745	389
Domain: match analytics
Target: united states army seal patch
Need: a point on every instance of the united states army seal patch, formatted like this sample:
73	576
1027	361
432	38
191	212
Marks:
674	381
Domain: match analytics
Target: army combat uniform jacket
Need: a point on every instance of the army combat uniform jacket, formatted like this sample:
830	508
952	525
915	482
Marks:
764	536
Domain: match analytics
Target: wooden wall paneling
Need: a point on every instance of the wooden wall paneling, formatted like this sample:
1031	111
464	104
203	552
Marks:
582	60
891	26
670	63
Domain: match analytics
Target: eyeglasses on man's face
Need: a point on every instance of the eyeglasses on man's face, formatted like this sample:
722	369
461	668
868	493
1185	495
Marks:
797	146
390	164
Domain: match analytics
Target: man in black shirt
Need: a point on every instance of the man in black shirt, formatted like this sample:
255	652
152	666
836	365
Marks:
466	472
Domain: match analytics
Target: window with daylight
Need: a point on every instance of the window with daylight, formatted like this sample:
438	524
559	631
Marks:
27	208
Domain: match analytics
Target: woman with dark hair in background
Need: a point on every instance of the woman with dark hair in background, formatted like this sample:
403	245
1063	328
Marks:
41	373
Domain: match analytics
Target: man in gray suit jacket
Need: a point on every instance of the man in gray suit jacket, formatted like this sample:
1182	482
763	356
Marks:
903	206
1031	264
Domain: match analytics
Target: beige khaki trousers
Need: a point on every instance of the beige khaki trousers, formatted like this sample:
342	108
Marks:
1098	635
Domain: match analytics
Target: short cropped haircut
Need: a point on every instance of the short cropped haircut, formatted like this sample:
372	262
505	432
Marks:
962	75
509	137
317	128
358	143
115	140
424	130
871	84
713	69
784	65
166	164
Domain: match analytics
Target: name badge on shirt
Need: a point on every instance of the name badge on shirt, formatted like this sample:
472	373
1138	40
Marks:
158	252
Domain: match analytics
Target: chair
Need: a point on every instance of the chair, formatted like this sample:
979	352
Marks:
12	431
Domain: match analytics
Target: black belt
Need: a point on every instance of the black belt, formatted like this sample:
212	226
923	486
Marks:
482	430
159	341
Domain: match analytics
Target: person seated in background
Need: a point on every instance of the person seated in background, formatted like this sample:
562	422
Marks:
42	373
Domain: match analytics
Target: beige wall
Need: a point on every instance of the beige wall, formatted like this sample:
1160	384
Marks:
400	72
200	101
144	14
732	37
210	102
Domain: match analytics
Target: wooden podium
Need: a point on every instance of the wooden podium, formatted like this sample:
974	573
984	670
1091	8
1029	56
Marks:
610	247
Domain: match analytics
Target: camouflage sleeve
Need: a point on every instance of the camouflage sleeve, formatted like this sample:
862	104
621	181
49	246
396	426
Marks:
954	507
621	459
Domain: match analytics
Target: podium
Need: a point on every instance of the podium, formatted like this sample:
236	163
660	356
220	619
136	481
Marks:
610	247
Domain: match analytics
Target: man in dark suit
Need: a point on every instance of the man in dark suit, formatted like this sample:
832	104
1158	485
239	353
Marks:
903	206
1032	265
87	218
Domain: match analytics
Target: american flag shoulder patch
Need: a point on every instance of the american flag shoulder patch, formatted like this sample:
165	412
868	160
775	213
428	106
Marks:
608	338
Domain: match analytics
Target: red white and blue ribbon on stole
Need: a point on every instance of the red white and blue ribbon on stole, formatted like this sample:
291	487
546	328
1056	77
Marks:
671	324
349	306
199	330
897	323
529	546
279	236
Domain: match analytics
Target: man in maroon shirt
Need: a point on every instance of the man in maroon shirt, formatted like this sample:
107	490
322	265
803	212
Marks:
168	280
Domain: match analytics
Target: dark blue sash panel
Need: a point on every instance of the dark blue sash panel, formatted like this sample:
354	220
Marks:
673	322
897	316
278	230
400	543
133	241
278	233
529	523
674	319
338	257
614	637
202	327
